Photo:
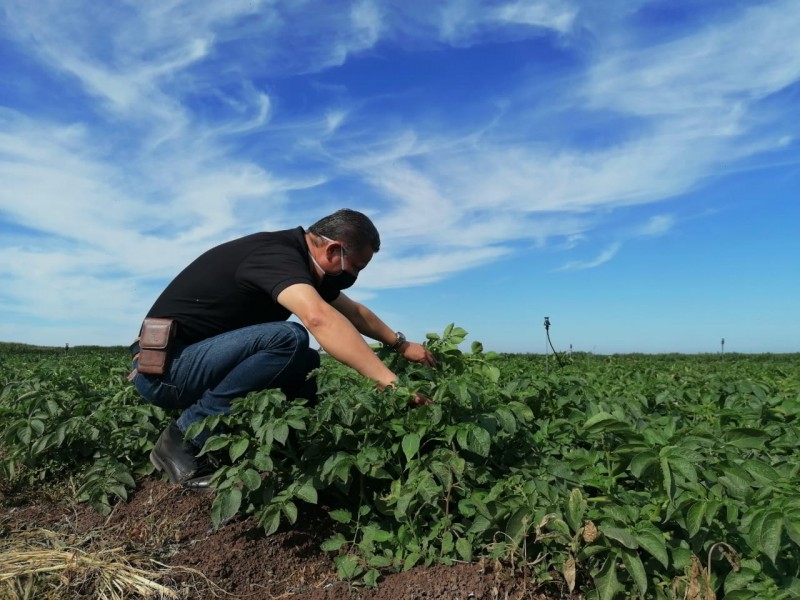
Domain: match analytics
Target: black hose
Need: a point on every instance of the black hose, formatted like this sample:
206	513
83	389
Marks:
547	331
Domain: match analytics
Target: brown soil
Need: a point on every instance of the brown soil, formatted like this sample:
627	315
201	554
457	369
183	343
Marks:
173	526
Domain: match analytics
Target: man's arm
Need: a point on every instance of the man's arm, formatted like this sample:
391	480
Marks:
335	332
369	324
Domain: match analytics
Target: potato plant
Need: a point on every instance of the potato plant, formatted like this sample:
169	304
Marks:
625	476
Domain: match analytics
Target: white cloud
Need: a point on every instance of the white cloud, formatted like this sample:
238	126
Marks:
713	73
552	15
182	138
605	256
656	226
464	22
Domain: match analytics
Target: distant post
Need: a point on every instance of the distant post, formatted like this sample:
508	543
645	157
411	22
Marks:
546	332
722	346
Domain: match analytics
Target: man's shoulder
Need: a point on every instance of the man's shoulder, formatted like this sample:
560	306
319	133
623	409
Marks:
265	237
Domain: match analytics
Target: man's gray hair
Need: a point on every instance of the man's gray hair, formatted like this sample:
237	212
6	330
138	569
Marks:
352	228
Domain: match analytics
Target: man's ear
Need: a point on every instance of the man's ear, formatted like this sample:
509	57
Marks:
332	250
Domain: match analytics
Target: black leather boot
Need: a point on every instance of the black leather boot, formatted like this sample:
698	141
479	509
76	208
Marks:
174	456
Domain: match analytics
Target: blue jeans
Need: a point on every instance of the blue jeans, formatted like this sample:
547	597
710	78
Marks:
203	378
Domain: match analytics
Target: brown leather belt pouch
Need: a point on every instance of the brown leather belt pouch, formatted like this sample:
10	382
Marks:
154	345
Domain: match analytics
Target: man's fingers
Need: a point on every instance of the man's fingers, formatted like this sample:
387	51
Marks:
420	400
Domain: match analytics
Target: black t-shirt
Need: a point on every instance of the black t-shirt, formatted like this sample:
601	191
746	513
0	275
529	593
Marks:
236	284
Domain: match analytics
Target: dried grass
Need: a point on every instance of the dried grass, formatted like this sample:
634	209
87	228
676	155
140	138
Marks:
47	565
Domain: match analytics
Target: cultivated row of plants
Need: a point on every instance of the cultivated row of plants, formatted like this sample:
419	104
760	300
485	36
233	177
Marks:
616	476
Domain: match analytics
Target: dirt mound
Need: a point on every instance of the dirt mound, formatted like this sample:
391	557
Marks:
173	526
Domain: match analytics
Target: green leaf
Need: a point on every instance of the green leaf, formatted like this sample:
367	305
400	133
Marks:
479	441
251	479
635	567
506	420
667	475
24	435
401	508
281	432
289	509
225	505
371	577
576	508
119	491
262	461
341	515
641	462
491	372
442	473
464	549
738	580
652	540
461	436
379	561
596	422
334	543
522	411
792	527
606	581
238	448
123	476
771	531
746	438
348	566
410	445
518	524
712	508
761	472
457	336
381	535
298	424
681	558
270	519
622	536
307	493
694	518
411	559
684	467
215	442
448	543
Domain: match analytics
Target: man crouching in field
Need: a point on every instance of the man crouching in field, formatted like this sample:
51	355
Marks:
219	330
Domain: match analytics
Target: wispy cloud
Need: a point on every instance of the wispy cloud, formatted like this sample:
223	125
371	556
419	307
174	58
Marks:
605	256
656	225
183	124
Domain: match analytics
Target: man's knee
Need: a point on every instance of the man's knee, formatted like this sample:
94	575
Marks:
300	334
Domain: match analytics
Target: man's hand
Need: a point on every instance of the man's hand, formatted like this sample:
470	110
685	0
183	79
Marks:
417	400
417	353
420	400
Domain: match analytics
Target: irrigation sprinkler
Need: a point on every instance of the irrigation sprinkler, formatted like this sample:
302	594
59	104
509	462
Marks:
546	339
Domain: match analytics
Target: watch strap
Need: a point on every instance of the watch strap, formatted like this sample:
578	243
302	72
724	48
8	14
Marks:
400	339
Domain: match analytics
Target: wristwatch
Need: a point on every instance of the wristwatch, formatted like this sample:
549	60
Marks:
399	340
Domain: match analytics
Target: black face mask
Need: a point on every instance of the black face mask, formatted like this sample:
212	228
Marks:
334	282
340	281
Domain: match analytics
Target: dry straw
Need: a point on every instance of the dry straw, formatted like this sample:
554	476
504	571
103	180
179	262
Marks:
47	565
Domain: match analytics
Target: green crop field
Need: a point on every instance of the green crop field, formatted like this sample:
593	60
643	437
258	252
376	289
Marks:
669	476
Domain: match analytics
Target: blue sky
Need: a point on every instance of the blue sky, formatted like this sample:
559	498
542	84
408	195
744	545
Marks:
628	168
